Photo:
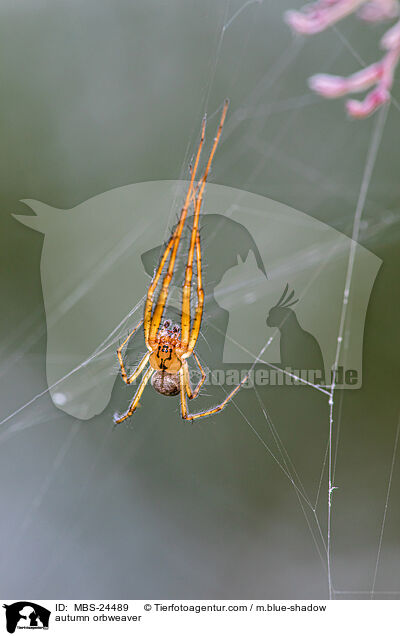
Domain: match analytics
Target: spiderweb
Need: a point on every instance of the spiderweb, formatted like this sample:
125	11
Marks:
244	131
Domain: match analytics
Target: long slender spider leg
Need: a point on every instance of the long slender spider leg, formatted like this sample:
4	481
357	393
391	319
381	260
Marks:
187	286
138	369
193	394
149	302
156	278
188	384
163	295
135	402
194	416
119	350
200	302
203	179
183	390
195	243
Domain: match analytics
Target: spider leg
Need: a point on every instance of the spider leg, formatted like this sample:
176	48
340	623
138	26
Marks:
156	278
190	393
149	302
194	416
200	303
195	244
174	244
135	402
137	371
203	376
119	354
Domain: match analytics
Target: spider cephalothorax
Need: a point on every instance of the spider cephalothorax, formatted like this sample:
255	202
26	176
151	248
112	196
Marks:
165	356
169	346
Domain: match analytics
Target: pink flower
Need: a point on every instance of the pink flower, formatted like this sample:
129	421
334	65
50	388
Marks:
316	17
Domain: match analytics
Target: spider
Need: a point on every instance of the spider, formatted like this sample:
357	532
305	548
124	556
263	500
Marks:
169	345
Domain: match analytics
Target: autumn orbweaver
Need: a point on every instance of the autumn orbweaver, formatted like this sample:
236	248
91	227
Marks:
170	346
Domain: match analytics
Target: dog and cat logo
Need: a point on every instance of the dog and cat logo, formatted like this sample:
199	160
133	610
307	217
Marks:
26	615
272	275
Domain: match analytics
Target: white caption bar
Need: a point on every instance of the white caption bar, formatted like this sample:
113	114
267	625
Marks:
195	617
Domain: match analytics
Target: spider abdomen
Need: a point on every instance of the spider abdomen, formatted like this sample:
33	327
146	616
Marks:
166	383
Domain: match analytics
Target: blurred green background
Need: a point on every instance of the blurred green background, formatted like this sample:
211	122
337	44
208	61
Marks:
96	95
